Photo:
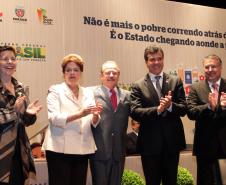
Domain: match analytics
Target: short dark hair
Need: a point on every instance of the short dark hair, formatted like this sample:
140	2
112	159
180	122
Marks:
34	145
152	50
7	48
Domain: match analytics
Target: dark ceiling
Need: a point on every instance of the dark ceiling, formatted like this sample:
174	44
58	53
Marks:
213	3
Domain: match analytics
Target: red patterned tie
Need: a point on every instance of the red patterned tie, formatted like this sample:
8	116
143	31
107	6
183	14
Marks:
215	91
113	98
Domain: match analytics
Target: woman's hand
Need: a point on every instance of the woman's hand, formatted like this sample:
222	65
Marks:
96	112
33	108
99	107
86	111
19	105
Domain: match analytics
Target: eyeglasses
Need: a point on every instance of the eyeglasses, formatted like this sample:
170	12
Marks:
8	59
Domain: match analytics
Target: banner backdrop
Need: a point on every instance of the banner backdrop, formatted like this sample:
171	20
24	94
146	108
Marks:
44	31
121	30
35	29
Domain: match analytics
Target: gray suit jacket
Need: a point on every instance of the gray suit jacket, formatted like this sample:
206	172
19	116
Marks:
110	134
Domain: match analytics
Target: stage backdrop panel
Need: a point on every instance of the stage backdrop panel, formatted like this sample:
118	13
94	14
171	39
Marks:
120	30
35	29
44	31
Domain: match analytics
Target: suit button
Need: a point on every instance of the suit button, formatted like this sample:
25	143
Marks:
112	134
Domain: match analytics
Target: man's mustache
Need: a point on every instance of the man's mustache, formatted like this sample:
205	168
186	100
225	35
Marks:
111	79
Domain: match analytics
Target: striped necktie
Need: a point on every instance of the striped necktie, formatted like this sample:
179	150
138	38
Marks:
158	87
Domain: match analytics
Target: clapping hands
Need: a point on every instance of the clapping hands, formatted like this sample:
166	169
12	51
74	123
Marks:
20	106
223	100
213	101
33	108
95	110
165	102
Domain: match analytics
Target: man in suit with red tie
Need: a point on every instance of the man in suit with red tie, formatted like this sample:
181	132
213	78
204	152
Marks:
107	163
207	106
158	102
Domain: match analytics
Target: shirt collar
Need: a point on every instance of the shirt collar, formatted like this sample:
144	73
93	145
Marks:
217	82
108	90
152	76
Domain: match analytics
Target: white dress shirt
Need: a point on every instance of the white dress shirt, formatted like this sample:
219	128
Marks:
153	79
211	85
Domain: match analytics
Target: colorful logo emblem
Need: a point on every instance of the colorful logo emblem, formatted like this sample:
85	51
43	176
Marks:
1	14
20	12
20	15
28	52
31	53
41	13
43	17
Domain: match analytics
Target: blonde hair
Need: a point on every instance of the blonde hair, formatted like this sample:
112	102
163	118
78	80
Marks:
213	57
77	59
112	63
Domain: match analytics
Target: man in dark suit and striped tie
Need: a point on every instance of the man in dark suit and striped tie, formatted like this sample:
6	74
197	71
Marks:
158	102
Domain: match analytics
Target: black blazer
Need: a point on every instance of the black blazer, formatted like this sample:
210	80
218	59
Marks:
131	144
210	126
162	132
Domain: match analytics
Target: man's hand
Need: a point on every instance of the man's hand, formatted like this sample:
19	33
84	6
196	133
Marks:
165	102
213	101
223	100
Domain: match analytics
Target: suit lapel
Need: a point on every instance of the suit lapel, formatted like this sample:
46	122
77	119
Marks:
121	96
222	87
105	95
68	93
205	90
165	84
